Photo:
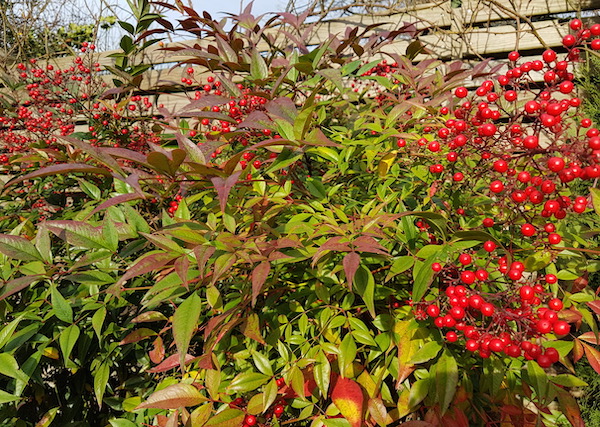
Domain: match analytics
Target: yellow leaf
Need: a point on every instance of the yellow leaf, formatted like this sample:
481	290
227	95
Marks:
385	164
51	352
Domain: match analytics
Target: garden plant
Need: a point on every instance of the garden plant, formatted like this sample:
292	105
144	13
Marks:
314	238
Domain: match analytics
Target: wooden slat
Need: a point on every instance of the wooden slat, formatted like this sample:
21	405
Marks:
484	11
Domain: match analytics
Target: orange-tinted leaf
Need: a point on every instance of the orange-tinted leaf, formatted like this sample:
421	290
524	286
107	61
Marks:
593	356
173	397
157	354
137	335
590	337
577	350
348	397
350	263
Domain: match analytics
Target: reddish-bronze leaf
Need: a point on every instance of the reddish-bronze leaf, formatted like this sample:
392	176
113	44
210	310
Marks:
593	356
569	407
259	276
595	305
590	337
224	186
251	328
170	363
348	397
173	397
351	262
137	335
577	350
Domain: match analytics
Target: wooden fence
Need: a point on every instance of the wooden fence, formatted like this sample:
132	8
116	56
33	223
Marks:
476	29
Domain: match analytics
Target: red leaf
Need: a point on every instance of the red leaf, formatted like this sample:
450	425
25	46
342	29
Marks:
15	285
170	363
369	244
259	276
137	335
590	337
348	397
145	265
224	186
59	169
593	356
595	305
351	262
122	198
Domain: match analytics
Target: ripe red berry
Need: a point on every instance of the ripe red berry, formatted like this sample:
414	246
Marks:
527	230
250	420
555	304
433	310
513	56
488	222
487	309
489	246
561	328
526	293
461	92
451	336
556	164
554	238
465	259
543	326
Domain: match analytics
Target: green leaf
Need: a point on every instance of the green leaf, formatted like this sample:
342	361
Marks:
173	397
110	235
258	66
595	192
78	233
262	363
7	397
121	422
427	352
185	322
98	321
322	372
347	354
446	380
100	380
423	277
537	379
270	394
568	380
62	309
18	247
43	244
247	381
10	368
226	418
538	260
364	284
67	340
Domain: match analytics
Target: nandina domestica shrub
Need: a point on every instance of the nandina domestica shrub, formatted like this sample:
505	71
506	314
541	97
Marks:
323	241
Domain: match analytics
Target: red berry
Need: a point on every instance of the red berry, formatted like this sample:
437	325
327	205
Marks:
461	92
561	328
487	309
554	238
451	336
527	230
555	304
433	310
